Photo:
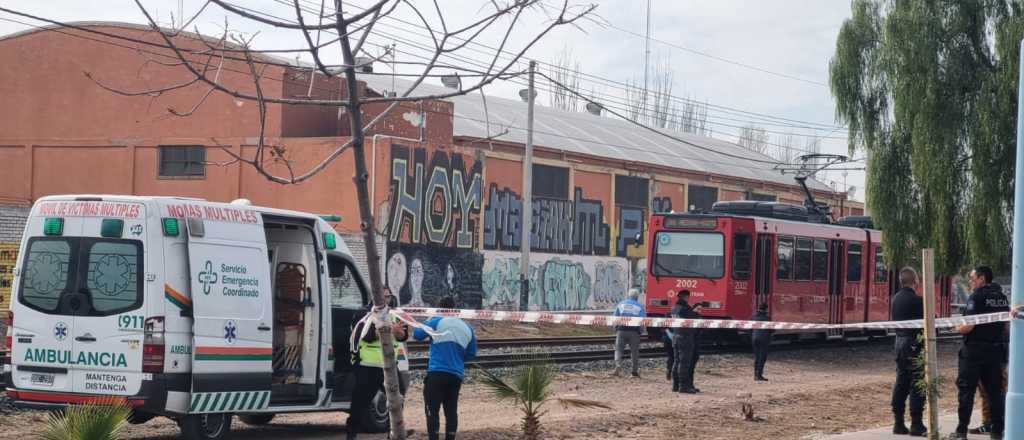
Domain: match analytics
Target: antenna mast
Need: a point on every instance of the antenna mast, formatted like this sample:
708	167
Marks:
647	56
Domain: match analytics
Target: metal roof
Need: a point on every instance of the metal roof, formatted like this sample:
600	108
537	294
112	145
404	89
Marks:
603	136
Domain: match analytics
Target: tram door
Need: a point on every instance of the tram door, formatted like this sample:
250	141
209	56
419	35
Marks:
835	285
763	270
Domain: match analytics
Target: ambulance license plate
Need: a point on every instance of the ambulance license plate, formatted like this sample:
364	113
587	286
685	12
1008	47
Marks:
42	379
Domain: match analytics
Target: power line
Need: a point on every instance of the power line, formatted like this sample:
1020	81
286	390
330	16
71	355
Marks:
604	81
483	65
447	114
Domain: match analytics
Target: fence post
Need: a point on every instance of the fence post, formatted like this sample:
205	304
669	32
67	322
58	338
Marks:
931	354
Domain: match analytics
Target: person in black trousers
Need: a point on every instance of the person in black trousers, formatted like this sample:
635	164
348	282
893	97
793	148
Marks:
907	305
760	340
686	342
983	354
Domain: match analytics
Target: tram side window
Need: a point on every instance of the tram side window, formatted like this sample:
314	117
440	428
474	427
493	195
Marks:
853	262
802	260
820	260
881	270
742	246
784	263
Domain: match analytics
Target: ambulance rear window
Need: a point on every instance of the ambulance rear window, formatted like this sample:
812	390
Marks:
82	276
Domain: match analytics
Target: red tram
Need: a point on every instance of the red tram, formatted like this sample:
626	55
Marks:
806	272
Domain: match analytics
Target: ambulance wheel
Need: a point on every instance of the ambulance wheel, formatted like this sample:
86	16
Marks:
377	418
256	419
205	426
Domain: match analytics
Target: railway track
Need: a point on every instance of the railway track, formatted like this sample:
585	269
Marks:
504	360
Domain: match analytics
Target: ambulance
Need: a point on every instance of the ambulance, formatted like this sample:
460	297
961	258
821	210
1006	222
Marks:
187	309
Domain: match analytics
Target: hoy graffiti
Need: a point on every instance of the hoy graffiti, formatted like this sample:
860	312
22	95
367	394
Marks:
438	202
559	226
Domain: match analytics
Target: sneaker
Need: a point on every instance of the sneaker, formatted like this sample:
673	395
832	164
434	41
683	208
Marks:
983	429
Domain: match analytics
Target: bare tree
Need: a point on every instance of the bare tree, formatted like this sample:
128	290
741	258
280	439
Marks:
662	109
566	70
348	28
754	138
786	148
693	118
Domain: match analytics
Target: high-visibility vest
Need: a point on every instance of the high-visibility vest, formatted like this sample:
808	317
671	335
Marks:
371	355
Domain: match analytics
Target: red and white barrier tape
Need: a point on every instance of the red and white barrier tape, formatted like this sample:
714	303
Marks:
610	321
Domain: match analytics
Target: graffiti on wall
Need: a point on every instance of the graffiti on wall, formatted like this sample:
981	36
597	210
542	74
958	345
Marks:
631	223
556	282
423	274
436	202
558	226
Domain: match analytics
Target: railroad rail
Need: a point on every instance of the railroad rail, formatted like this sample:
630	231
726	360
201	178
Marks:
505	360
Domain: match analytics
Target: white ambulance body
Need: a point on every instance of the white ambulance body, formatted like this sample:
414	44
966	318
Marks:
188	309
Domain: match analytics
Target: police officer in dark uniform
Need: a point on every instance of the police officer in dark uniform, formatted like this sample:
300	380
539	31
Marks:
983	354
760	340
907	305
686	343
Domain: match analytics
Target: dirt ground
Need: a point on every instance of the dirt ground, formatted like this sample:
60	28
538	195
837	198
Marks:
810	394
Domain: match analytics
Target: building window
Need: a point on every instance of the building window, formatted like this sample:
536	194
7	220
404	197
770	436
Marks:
631	191
820	260
784	259
700	198
182	161
550	182
853	262
760	197
802	260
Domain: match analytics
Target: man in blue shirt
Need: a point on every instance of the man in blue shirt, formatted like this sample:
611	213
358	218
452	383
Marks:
629	335
453	345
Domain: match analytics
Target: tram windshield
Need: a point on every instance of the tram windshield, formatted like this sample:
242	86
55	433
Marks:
689	254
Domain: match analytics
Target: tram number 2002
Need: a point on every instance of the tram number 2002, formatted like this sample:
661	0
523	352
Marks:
686	284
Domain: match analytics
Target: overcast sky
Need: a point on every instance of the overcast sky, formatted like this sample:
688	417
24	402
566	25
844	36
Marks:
791	39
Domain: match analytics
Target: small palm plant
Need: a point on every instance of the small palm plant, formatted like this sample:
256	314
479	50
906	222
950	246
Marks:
530	388
100	420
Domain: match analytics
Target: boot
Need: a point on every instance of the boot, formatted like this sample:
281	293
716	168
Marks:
917	428
898	427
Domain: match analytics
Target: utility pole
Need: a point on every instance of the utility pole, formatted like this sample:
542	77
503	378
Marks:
931	355
1015	390
524	261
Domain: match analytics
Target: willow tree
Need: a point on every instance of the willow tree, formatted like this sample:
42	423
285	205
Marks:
928	90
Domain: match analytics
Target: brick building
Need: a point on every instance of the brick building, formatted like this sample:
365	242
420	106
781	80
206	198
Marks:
446	197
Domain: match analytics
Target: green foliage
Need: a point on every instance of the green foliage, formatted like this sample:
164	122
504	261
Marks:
102	420
529	387
928	90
